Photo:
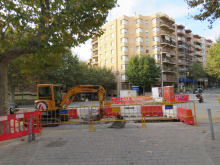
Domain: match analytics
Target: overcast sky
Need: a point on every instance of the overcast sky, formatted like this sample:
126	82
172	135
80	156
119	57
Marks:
176	9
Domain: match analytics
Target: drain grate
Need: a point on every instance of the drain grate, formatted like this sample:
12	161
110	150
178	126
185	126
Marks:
56	144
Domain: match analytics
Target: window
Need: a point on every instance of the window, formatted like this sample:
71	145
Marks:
146	32
101	41
124	40
146	23
138	21
100	63
123	67
157	57
93	60
155	20
112	35
139	39
147	49
106	54
100	49
105	46
123	77
106	38
124	49
100	55
156	48
124	58
112	51
112	68
112	43
139	30
124	22
146	40
139	48
155	29
112	26
155	38
106	62
124	31
112	60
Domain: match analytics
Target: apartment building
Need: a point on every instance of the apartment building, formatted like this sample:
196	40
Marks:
191	48
157	35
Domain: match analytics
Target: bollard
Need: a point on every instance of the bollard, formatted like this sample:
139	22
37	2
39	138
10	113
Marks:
31	136
211	125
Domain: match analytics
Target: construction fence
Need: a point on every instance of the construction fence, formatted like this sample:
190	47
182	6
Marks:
183	111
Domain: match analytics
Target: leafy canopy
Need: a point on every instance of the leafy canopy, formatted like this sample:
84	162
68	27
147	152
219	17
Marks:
209	10
28	26
142	70
196	71
213	60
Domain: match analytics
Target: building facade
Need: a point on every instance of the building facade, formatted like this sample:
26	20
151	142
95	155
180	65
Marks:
157	35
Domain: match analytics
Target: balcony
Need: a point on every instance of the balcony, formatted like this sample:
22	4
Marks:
196	40
208	44
170	79
166	61
181	54
172	28
94	48
164	25
198	47
197	53
180	32
164	16
181	39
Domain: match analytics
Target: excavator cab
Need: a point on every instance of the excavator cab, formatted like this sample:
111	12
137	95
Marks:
48	96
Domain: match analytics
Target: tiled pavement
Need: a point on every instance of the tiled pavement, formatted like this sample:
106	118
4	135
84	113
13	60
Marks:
161	143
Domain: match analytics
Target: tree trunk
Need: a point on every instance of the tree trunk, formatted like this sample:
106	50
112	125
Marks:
4	101
12	95
143	90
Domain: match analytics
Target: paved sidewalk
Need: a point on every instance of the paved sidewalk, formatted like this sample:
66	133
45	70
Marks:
169	143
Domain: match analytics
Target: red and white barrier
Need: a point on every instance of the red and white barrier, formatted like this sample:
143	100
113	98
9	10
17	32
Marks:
16	125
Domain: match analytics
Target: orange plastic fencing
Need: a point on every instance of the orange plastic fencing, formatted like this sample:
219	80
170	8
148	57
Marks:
14	125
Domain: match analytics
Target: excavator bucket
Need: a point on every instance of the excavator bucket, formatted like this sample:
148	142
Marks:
118	124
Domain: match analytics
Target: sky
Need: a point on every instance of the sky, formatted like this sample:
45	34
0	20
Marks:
176	9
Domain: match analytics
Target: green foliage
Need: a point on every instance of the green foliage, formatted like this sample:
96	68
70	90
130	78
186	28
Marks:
209	10
29	27
213	60
95	76
142	71
196	71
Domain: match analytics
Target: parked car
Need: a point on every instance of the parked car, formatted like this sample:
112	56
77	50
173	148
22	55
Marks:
198	90
12	108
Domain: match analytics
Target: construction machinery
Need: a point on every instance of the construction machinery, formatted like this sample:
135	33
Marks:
50	100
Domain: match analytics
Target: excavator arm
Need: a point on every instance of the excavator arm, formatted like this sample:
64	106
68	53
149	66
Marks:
70	95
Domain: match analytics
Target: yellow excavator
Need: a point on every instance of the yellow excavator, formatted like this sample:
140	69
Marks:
50	100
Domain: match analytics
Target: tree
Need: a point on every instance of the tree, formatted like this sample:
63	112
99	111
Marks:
95	76
67	73
44	26
212	66
142	71
209	10
196	71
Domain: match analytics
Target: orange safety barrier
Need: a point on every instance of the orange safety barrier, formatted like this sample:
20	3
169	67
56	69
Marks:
152	110
185	115
183	97
73	113
16	124
109	113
